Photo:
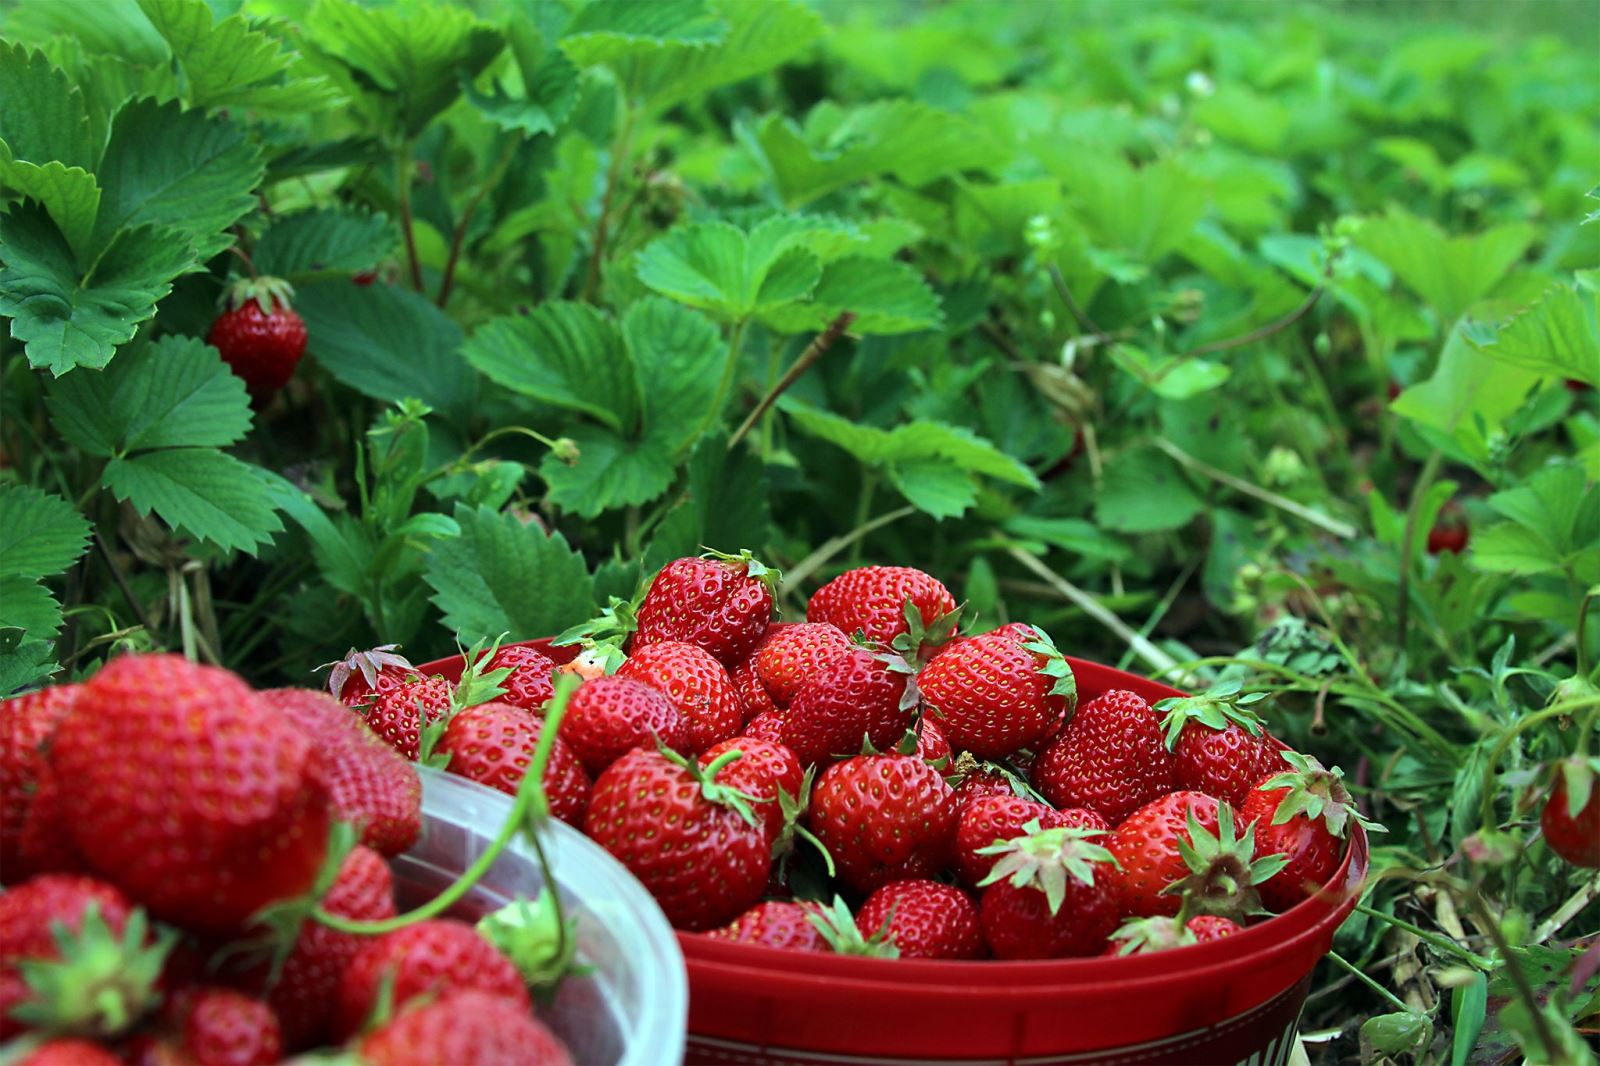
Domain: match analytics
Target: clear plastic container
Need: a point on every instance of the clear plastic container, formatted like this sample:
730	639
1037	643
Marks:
631	1007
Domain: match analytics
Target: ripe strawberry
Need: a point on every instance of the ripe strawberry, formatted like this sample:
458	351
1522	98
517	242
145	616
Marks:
610	716
993	694
464	1025
96	978
688	836
1052	894
989	820
924	920
304	993
1146	847
747	683
398	709
1218	743
493	744
768	726
857	695
25	723
69	1051
430	958
932	747
721	603
1447	538
792	653
248	827
973	779
45	843
351	680
765	771
222	1027
1141	936
260	336
697	683
872	600
1305	816
369	784
531	682
775	924
884	818
1109	758
1571	815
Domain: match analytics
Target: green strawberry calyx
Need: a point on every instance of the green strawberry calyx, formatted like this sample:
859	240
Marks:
794	808
967	764
712	790
1046	858
922	641
267	292
769	576
101	984
1217	708
838	927
1056	668
367	663
607	631
1140	936
1223	869
478	685
540	940
1317	794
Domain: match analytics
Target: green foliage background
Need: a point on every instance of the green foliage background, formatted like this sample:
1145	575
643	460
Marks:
1177	329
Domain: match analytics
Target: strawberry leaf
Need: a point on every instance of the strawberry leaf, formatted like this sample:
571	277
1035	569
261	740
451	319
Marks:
733	273
40	534
231	64
886	296
323	241
199	491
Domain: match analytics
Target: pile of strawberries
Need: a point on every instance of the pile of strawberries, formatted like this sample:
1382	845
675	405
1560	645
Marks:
196	873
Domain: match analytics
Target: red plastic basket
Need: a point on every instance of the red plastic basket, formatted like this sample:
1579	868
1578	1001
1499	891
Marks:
1235	1000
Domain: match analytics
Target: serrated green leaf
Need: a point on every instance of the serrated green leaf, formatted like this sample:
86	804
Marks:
24	662
40	534
839	146
43	117
1450	273
326	240
180	169
228	63
388	343
615	31
1468	395
934	487
1142	211
27	605
1143	491
547	97
1552	524
886	296
1559	335
677	355
118	28
723	269
412	60
561	353
724	506
202	492
501	576
340	546
610	472
176	392
759	38
1174	377
65	322
69	194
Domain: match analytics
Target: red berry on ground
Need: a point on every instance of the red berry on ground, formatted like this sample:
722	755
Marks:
1573	836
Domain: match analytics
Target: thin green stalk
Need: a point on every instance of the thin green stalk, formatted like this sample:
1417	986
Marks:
1430	470
1555	710
1525	992
460	236
1161	609
869	486
602	228
1442	943
729	371
1343	530
1361	976
794	576
403	166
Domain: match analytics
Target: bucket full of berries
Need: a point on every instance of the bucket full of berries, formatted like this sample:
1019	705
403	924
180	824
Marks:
884	839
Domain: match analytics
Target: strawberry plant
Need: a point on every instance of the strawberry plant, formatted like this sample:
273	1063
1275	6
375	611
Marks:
1251	349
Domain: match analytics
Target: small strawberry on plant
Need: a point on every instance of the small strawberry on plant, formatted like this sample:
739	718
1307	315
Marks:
1051	894
1218	743
1571	815
261	337
1304	815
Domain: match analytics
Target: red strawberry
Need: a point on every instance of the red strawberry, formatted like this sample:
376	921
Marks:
1146	847
872	600
721	603
690	838
1109	758
1571	815
752	693
464	1025
858	695
764	771
792	653
989	820
25	723
430	958
1217	742
304	993
974	779
45	843
768	726
697	683
493	744
1447	538
1141	936
1052	894
222	1027
932	747
104	978
69	1051
884	818
924	920
247	827
1304	815
610	716
531	682
369	784
993	694
775	924
353	679
260	336
398	709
